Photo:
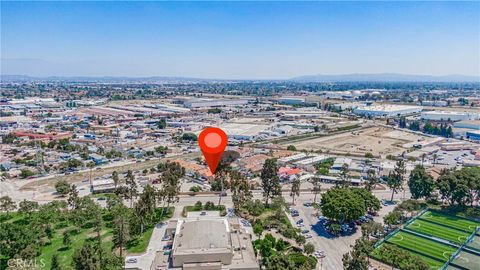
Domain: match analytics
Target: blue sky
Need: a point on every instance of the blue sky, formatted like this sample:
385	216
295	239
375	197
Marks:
239	40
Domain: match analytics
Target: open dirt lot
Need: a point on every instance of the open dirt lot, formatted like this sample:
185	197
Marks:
380	141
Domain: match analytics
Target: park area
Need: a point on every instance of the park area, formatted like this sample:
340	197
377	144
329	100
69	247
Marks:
437	239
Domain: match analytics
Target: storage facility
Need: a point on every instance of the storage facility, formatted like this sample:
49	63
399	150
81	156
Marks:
387	110
448	116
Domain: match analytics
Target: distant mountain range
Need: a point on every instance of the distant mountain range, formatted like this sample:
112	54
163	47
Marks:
359	77
385	77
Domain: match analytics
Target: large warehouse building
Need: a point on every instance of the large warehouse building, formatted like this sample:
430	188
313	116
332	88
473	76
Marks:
209	103
448	116
387	110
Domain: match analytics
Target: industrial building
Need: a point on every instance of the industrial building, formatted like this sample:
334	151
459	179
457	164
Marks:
387	110
448	116
246	132
208	103
473	135
292	100
435	103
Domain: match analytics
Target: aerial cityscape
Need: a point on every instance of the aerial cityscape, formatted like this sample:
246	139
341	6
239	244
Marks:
240	135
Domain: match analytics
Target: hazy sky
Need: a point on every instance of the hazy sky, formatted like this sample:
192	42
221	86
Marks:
239	40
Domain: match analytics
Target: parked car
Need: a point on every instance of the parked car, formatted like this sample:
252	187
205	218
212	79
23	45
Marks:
131	260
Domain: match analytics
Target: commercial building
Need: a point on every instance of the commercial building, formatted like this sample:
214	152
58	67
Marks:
207	241
387	110
448	116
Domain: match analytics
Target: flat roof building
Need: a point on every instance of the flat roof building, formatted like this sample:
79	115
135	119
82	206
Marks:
448	116
387	110
212	242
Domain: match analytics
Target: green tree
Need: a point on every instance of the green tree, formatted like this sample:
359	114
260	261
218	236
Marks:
66	239
342	205
393	218
357	259
317	188
189	137
55	264
7	204
115	178
291	148
240	190
372	204
162	124
308	248
372	180
421	184
396	178
28	207
131	191
145	207
62	187
270	180
87	257
121	228
295	190
344	176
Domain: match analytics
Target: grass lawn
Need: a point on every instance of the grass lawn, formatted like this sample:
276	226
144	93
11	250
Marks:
65	254
192	208
422	246
434	264
140	244
452	221
432	229
55	245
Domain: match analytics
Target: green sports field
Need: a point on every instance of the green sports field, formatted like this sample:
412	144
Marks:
423	246
432	229
420	237
451	221
434	264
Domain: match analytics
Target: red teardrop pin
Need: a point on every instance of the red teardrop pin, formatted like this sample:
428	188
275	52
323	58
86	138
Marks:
213	142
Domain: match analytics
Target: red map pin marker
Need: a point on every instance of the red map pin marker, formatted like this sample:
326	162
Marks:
212	142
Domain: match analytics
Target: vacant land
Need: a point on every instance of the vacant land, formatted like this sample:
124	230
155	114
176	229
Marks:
376	140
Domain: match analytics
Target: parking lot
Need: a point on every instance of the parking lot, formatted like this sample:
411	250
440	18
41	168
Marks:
333	247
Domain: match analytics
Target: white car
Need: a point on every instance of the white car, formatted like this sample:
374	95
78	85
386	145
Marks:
319	254
308	236
131	260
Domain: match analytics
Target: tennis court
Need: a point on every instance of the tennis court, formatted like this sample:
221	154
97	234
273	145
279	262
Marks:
432	229
467	260
475	244
451	221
